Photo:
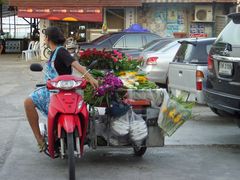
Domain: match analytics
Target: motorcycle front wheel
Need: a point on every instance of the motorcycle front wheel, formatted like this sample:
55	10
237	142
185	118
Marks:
71	157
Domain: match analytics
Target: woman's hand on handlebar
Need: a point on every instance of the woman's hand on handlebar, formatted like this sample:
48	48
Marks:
88	76
93	82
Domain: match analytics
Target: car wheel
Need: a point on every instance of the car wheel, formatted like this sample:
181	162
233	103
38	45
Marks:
220	112
237	122
214	110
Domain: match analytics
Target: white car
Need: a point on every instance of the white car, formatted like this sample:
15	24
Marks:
156	63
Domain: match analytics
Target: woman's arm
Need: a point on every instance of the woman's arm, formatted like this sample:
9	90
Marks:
88	76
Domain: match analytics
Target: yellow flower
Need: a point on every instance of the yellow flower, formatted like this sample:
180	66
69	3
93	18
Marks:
164	109
177	119
131	73
172	113
122	73
141	79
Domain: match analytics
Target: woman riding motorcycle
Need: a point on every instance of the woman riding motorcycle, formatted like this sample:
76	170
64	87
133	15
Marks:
60	63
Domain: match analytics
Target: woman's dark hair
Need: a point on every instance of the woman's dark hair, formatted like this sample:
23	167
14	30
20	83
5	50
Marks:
55	35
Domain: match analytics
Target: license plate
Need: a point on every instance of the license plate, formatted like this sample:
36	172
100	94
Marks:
225	68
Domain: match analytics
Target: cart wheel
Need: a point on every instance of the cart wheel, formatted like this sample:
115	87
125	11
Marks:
139	151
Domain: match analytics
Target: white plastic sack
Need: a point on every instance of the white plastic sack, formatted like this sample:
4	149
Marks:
120	126
130	124
138	128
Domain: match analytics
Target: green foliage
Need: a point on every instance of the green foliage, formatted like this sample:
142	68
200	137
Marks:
182	100
3	2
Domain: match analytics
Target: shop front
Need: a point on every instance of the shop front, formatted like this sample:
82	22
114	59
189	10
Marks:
77	17
83	20
190	18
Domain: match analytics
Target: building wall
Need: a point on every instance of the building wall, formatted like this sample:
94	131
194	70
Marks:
115	18
164	19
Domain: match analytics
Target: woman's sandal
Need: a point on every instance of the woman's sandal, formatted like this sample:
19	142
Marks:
42	147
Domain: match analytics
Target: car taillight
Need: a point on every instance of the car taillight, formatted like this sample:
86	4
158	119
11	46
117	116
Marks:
199	80
210	62
152	61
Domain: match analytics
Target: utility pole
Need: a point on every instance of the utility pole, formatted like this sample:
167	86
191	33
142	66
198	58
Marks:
1	26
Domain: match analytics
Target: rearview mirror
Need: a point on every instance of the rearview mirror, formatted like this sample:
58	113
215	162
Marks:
36	67
228	47
91	66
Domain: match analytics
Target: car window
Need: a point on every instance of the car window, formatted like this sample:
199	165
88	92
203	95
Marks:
208	48
150	37
184	52
150	44
114	38
230	34
169	46
160	45
120	43
196	54
106	44
101	38
133	41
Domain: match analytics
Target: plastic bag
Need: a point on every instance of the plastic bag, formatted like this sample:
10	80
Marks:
130	124
138	129
120	126
172	115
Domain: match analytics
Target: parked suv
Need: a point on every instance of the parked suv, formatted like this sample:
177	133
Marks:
120	41
223	81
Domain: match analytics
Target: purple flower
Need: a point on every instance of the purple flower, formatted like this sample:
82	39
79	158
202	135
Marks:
109	85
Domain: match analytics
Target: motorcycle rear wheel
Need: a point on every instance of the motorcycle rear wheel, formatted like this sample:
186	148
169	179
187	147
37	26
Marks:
71	157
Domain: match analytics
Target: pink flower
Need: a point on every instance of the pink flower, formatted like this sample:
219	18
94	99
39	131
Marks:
115	60
115	52
130	58
120	56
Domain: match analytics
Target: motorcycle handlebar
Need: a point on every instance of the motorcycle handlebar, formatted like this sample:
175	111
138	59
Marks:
40	85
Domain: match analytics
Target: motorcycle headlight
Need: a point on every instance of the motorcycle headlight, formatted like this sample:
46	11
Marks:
66	85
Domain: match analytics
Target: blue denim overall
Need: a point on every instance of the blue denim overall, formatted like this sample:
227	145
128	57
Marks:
41	96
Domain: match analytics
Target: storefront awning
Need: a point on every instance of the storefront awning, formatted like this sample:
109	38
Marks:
76	3
64	14
188	1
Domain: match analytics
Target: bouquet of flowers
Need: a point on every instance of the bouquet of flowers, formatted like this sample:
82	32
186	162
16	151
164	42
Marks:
174	113
105	59
109	84
109	60
135	80
124	62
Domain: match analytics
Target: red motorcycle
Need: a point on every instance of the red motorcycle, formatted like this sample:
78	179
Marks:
67	118
72	124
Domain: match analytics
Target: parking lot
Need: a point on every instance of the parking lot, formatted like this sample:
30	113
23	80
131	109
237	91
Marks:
207	147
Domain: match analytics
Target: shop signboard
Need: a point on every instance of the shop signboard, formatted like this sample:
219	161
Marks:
130	17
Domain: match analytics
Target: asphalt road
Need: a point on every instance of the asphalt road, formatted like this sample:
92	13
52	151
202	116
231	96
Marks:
206	148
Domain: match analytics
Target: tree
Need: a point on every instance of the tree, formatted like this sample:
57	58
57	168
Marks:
3	2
